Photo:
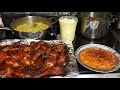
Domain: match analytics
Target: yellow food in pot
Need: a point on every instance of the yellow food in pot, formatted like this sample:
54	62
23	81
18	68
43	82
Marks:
32	27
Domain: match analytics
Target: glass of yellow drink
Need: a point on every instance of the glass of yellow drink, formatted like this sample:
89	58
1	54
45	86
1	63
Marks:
68	27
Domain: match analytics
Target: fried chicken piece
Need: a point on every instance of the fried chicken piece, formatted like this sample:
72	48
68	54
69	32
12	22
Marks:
3	56
6	73
1	47
37	45
51	54
14	49
9	71
59	48
27	48
17	54
49	60
38	62
62	60
36	54
24	72
22	75
12	62
26	61
53	71
23	54
15	46
47	64
13	54
2	74
3	66
45	47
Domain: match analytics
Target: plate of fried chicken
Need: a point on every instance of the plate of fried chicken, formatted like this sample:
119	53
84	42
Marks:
28	58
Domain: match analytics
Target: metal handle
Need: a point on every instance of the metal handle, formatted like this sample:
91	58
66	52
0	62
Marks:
116	34
7	28
52	31
54	20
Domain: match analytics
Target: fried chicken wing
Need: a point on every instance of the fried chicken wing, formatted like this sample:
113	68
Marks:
23	54
36	54
17	54
6	73
62	60
37	45
15	46
38	62
9	71
3	56
12	54
47	64
51	54
26	61
1	47
27	48
24	72
53	71
12	62
59	48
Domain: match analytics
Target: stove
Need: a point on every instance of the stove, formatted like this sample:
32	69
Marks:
109	40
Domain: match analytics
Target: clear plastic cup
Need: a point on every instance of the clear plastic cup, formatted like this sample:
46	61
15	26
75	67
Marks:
68	27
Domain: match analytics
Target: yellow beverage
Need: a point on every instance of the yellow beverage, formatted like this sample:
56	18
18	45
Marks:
68	27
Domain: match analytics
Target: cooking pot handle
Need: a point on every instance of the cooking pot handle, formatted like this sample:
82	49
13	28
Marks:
53	32
54	20
113	19
7	28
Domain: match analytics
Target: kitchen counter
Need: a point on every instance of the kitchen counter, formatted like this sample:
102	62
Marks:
110	75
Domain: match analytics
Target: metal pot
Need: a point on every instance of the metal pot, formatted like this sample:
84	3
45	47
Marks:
31	19
94	25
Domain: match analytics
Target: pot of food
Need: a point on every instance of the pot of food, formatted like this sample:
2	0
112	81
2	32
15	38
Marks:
33	27
94	25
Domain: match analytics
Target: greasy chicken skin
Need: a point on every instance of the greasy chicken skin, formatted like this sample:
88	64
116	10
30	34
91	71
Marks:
25	72
39	59
36	54
26	61
26	48
51	55
17	54
3	56
53	71
62	60
15	46
59	48
12	62
38	62
47	64
37	45
6	73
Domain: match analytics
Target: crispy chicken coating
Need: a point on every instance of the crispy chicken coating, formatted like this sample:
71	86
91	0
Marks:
39	59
